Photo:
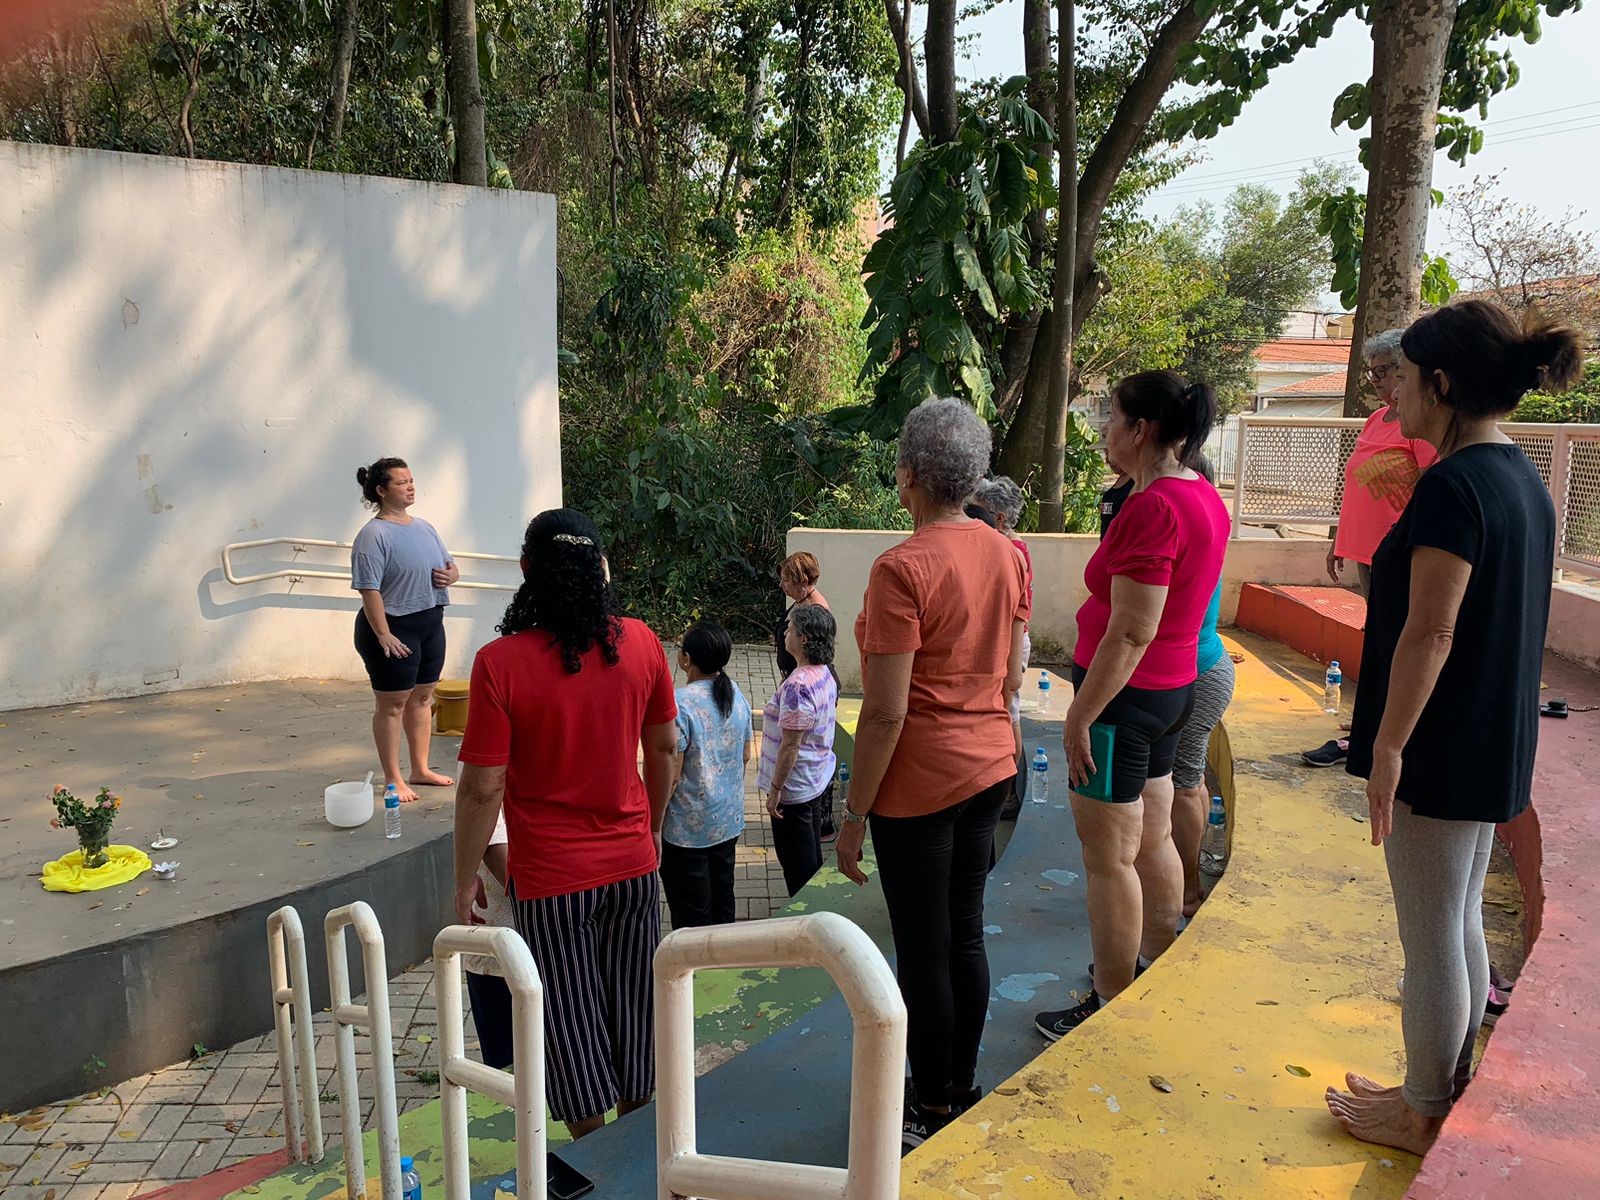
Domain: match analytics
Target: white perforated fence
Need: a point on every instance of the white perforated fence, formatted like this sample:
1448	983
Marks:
1290	471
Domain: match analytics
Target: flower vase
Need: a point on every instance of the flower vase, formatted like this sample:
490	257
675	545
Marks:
93	843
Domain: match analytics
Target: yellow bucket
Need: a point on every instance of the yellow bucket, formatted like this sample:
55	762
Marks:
450	707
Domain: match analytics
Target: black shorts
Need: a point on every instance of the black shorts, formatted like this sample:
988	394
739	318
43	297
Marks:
423	632
1148	723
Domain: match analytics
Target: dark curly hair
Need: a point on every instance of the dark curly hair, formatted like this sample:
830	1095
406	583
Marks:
817	630
377	476
564	592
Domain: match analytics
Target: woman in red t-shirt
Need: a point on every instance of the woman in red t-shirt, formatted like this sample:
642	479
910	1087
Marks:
1134	665
558	709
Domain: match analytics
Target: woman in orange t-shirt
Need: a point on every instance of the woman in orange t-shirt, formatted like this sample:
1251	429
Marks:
940	634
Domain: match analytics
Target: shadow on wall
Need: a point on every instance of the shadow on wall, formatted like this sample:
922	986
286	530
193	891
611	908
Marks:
210	351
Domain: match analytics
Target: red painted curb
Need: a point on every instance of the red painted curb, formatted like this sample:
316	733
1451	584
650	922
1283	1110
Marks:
1323	623
229	1179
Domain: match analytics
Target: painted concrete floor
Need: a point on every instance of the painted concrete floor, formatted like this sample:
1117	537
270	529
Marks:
191	1118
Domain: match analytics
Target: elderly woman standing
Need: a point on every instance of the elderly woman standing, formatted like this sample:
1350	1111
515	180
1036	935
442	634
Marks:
797	759
1133	669
797	576
1447	712
940	634
1379	478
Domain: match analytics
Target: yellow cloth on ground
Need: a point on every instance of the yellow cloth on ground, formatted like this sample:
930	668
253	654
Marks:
67	873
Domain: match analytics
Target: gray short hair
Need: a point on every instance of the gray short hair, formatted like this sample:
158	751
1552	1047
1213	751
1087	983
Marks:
1382	345
817	630
1001	495
946	446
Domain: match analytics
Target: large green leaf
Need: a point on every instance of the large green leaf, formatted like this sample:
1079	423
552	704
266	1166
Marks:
972	273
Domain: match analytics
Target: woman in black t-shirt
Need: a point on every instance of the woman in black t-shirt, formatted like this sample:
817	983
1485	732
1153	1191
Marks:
1447	711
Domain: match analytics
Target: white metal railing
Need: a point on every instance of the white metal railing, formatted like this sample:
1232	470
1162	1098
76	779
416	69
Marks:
522	1092
301	574
1290	470
291	1006
373	1016
877	1068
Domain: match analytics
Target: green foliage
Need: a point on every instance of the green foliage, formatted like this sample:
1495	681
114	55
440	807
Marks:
1580	404
954	263
854	477
1341	219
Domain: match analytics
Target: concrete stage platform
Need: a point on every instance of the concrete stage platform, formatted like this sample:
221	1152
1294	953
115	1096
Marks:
101	986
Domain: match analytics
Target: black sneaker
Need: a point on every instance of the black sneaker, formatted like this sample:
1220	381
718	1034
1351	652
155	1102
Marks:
962	1099
1057	1024
1496	1006
1329	754
919	1124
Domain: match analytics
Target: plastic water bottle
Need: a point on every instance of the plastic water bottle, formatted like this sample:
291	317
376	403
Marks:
842	791
1044	693
410	1181
1214	843
391	813
1332	686
1039	777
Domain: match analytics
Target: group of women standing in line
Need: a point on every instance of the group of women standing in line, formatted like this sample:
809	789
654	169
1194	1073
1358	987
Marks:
562	703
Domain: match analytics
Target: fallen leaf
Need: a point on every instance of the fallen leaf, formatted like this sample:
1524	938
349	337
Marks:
1160	1083
231	1126
95	905
1044	887
5	1166
305	844
127	1133
1297	1071
80	1166
1267	1002
1037	1088
199	796
1006	1091
142	891
250	1189
424	1038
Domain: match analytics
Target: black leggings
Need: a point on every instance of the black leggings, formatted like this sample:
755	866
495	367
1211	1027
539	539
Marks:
933	869
698	882
797	838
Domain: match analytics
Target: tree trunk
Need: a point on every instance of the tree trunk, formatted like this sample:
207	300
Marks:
1016	351
343	55
1062	332
1022	449
1409	41
906	76
939	49
466	96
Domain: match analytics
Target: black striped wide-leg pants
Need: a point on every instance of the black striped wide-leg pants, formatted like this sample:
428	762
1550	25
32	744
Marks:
594	950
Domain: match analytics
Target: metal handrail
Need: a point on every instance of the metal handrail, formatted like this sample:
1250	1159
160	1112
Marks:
291	999
373	1016
877	1066
301	544
522	1092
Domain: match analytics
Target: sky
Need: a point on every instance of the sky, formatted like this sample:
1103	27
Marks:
1542	135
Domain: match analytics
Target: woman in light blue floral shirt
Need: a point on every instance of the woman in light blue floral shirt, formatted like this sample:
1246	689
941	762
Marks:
705	815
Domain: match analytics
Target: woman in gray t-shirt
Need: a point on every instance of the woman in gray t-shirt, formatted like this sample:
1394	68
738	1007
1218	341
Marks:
401	568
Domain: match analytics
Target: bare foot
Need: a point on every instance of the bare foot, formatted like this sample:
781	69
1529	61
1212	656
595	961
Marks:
1360	1085
406	794
1384	1119
429	778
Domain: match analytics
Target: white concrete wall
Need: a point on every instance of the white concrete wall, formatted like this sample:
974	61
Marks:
846	558
193	354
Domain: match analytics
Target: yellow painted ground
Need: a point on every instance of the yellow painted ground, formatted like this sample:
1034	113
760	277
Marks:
1291	965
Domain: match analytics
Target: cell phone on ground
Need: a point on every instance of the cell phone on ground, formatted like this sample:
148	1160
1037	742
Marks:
1102	745
564	1182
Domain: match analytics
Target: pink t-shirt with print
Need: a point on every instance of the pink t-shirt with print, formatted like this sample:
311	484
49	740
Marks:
1378	482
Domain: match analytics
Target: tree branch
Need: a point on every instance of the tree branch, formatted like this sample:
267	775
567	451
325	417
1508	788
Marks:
916	105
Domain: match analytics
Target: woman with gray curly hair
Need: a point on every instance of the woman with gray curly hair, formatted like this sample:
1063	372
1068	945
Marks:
940	634
1379	477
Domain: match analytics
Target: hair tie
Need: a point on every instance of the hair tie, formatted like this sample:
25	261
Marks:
573	539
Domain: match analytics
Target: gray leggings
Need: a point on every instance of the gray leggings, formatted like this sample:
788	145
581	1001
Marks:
1436	871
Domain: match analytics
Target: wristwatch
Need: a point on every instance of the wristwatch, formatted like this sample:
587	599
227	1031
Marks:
851	817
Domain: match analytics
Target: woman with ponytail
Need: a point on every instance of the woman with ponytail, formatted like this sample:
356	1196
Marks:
706	813
560	706
1446	717
1133	671
400	566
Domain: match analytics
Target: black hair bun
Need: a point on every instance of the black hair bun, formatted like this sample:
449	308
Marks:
361	476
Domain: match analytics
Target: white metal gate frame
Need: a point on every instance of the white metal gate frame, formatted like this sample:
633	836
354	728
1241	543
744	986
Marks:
291	1007
373	1016
521	1092
1562	440
877	1068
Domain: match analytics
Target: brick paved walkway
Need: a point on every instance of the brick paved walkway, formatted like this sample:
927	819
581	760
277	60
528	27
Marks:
186	1120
